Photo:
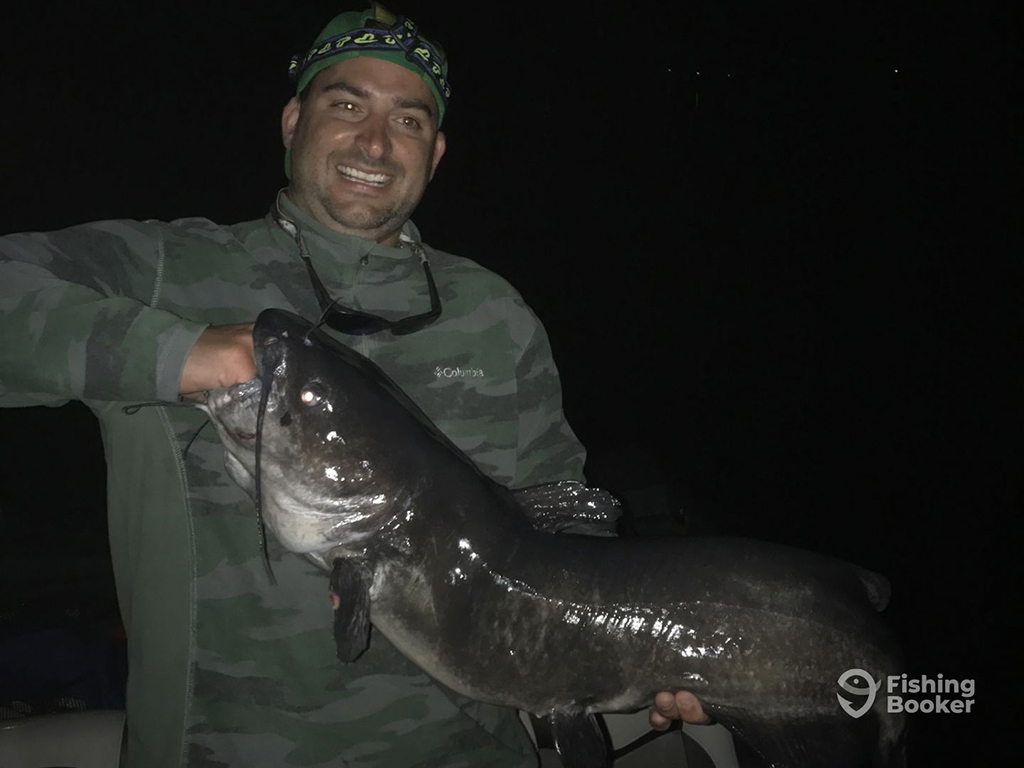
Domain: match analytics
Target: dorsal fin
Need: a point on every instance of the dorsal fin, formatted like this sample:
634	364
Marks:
877	587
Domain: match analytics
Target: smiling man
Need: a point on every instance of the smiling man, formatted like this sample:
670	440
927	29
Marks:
364	142
225	668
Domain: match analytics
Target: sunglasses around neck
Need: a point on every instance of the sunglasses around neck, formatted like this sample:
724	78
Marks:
353	321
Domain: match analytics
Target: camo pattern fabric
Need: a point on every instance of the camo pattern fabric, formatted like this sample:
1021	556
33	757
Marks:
225	669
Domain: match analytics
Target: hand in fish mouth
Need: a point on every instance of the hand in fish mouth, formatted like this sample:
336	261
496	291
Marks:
222	356
235	409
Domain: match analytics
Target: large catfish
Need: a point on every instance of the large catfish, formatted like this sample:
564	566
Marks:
465	578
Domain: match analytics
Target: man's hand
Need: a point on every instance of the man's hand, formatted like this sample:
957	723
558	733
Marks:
222	357
682	705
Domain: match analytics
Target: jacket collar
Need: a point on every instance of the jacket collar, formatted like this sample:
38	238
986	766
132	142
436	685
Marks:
335	246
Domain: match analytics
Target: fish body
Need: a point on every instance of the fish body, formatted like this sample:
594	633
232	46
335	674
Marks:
456	572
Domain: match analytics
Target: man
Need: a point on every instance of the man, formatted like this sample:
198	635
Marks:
226	669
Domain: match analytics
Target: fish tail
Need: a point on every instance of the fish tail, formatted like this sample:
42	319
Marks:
891	751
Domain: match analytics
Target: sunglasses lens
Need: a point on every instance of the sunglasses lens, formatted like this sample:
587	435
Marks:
355	325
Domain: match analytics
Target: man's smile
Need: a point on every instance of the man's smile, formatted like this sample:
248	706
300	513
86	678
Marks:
362	177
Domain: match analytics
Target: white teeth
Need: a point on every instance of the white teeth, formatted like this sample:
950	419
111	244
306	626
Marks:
378	179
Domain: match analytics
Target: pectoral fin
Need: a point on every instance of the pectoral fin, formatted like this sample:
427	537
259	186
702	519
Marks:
350	595
567	506
579	740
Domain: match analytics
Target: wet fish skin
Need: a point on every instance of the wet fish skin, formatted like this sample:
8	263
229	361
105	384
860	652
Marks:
461	581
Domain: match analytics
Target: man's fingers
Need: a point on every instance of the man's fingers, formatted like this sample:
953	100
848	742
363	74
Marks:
663	712
666	702
658	722
682	705
689	708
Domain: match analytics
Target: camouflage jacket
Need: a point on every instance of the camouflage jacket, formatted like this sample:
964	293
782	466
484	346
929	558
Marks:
226	670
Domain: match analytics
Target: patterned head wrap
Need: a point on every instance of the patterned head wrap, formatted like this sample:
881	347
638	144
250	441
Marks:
379	33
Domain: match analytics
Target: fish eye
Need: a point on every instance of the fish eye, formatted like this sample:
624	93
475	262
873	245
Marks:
310	396
270	341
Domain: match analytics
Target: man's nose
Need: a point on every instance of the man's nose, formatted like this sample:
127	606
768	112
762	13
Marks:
373	137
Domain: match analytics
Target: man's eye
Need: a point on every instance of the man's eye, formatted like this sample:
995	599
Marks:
346	106
410	122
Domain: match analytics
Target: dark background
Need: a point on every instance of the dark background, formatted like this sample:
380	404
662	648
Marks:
772	249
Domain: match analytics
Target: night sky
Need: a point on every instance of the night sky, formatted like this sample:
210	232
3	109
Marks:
770	249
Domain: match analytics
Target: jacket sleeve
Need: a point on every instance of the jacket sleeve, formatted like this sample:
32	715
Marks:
548	450
78	317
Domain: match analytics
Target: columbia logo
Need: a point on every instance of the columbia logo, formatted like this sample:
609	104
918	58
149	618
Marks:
457	373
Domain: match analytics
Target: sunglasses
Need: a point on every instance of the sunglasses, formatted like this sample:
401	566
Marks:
353	321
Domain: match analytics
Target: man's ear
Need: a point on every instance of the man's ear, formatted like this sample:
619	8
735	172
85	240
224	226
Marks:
439	147
290	119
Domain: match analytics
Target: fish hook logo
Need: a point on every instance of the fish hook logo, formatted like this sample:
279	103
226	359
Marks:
859	683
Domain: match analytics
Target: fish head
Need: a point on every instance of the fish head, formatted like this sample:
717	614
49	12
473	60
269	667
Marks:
330	469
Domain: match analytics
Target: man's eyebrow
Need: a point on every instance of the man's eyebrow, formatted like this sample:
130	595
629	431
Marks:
404	103
341	85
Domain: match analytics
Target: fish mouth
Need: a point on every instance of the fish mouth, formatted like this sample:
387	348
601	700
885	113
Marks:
236	408
246	391
240	397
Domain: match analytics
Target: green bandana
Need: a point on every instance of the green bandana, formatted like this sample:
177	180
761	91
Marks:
379	33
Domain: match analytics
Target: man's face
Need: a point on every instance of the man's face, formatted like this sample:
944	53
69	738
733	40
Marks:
364	145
